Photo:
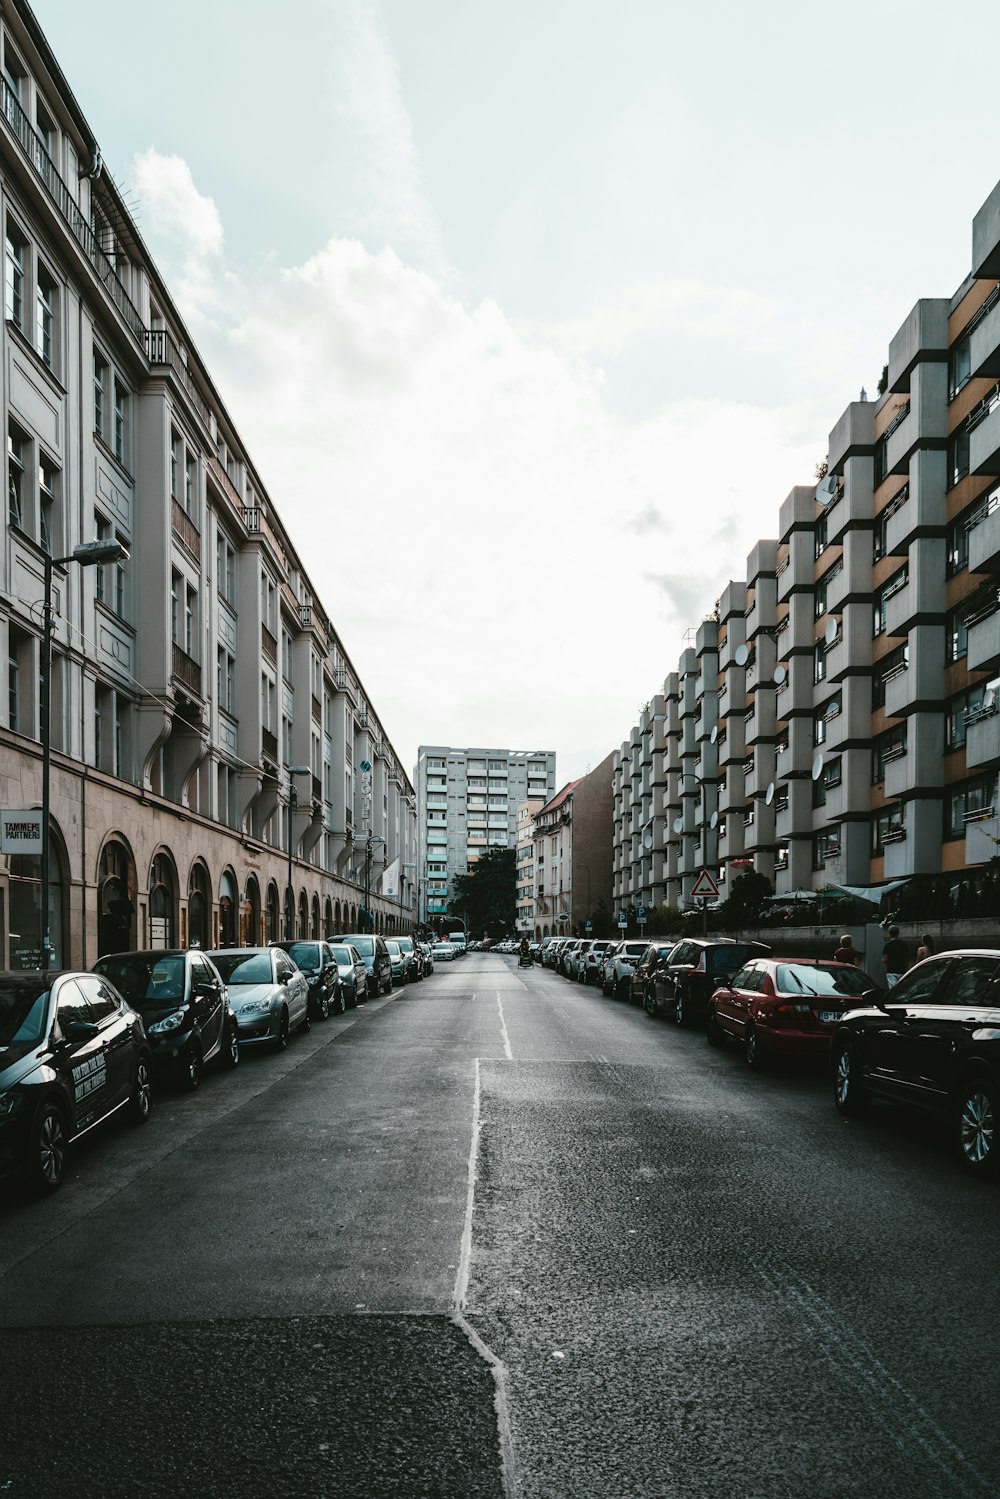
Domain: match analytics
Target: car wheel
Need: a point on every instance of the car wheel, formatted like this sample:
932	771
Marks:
230	1054
976	1112
649	1000
281	1039
714	1034
340	998
323	1008
141	1101
191	1072
679	1017
47	1148
848	1090
306	1023
752	1049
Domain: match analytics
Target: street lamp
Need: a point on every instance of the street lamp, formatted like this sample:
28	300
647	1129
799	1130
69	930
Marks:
293	801
87	554
369	840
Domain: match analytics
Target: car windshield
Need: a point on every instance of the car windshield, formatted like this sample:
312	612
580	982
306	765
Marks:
342	956
808	978
22	1011
364	945
393	949
244	968
306	954
145	977
727	959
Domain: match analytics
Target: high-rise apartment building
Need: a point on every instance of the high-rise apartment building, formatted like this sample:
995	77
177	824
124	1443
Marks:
218	773
467	801
837	719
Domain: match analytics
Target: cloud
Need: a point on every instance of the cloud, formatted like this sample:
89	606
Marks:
506	560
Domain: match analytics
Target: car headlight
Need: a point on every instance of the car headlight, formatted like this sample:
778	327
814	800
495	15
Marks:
168	1023
255	1007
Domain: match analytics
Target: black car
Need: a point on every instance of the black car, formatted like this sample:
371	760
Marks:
933	1041
412	958
685	979
318	964
352	971
72	1053
184	1006
376	959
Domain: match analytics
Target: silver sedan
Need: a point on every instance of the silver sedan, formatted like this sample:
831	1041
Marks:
268	992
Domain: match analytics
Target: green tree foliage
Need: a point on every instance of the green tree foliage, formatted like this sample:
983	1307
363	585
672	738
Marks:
745	901
486	896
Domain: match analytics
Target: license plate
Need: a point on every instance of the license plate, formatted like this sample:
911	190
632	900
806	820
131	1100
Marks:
829	1017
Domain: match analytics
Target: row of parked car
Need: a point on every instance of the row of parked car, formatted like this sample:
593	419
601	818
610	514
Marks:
932	1041
76	1048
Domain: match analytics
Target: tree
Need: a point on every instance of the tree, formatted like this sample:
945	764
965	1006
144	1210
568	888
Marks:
486	897
746	901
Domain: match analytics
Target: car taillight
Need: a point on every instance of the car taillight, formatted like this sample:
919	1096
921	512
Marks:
701	966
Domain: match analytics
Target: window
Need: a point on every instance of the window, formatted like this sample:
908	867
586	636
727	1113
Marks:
19	671
958	457
896	582
819	662
890	666
959	367
888	827
226	680
826	846
969	803
958	711
15	477
120	435
175	459
15	262
100	395
225	568
45	317
189	484
46	504
956	635
820	535
888	746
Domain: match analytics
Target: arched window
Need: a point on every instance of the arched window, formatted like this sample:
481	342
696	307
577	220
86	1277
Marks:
328	926
272	924
162	902
337	922
303	915
314	930
26	905
199	931
251	912
115	899
228	910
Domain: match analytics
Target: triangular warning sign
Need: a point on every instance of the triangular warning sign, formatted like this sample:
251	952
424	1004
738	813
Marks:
705	887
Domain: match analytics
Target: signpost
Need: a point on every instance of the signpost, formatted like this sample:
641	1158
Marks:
641	915
623	919
705	889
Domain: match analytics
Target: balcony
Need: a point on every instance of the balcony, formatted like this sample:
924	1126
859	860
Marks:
185	670
921	597
163	351
982	737
185	530
984	631
984	541
984	434
269	746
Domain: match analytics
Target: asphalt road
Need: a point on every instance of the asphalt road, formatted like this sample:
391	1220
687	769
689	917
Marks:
498	1236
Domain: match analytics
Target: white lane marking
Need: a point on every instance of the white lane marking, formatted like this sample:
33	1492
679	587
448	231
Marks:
508	1467
503	1031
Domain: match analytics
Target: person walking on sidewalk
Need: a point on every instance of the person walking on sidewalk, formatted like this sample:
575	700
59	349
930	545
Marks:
894	958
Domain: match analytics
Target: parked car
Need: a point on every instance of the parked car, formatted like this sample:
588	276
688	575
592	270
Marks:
184	1005
552	954
351	973
618	967
72	1053
443	952
376	958
642	973
932	1042
685	979
268	992
569	957
413	960
318	964
427	955
784	1006
588	967
399	962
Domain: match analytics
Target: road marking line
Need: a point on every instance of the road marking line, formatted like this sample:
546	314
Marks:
503	1031
508	1467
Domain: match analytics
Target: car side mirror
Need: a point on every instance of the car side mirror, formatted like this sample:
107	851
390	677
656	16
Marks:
80	1030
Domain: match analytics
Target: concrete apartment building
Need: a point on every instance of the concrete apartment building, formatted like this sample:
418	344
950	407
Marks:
836	720
207	725
467	801
526	879
573	855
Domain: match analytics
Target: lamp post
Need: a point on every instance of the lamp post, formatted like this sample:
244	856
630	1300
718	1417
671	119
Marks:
369	840
87	554
293	802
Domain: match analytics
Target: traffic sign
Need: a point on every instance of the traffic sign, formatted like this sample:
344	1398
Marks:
705	887
588	925
622	919
640	913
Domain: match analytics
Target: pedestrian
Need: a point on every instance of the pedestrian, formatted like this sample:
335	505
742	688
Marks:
846	952
925	949
894	958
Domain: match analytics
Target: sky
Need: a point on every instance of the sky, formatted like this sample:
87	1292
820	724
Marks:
531	314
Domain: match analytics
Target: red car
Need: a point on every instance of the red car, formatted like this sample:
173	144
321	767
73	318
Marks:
785	1006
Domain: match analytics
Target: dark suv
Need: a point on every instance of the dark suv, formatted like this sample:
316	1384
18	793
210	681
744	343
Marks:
685	979
373	951
184	1006
933	1042
322	975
